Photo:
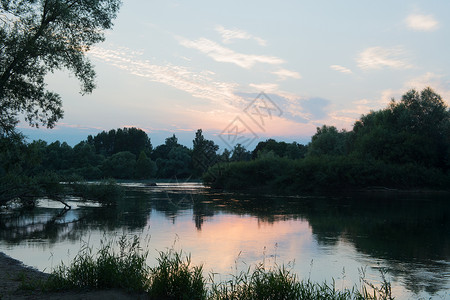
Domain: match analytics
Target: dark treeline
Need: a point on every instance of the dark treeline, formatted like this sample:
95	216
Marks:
405	145
29	171
128	154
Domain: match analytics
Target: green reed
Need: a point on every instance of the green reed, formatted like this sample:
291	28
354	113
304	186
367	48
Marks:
174	277
125	269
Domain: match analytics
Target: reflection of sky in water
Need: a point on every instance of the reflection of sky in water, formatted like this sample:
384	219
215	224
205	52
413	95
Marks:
226	241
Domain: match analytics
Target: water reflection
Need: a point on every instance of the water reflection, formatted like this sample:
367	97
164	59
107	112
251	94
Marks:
406	233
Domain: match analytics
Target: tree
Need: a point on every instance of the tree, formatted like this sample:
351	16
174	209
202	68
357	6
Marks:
415	130
162	151
21	176
177	163
58	156
278	148
41	36
145	167
121	165
295	151
328	141
130	139
172	159
203	153
225	156
84	155
240	153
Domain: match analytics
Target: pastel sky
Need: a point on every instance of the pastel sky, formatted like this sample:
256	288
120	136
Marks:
171	67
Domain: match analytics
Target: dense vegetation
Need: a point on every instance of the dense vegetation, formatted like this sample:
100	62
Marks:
29	171
406	145
175	278
128	154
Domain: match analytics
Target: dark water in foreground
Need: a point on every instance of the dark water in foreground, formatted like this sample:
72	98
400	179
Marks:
322	238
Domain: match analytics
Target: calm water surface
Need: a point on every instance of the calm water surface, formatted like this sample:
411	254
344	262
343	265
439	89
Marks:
321	238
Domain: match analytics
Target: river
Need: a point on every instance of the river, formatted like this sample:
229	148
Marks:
322	238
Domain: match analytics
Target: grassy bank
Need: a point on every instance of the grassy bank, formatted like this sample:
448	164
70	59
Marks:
174	277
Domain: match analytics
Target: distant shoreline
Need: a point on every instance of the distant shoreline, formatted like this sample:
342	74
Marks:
375	190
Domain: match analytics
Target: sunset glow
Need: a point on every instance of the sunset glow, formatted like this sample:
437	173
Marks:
172	68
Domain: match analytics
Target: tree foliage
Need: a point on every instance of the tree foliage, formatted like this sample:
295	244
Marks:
145	167
204	153
130	139
239	153
41	36
414	130
328	141
405	145
120	165
172	159
280	149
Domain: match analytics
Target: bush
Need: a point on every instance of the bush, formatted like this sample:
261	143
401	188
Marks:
106	192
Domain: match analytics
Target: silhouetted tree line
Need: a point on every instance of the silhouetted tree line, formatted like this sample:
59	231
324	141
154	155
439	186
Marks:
32	170
121	154
405	145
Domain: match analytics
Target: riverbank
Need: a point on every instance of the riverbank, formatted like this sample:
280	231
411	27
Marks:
324	174
175	278
16	282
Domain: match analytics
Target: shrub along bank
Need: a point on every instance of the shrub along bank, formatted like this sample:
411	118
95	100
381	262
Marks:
319	174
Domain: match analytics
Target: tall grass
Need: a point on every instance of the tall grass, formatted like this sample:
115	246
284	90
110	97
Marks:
280	283
175	278
126	269
259	283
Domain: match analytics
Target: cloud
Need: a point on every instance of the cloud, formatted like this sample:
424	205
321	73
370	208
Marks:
228	35
427	79
346	117
436	81
378	58
359	108
341	69
284	74
198	84
136	126
265	87
294	108
298	115
62	125
364	106
421	22
223	54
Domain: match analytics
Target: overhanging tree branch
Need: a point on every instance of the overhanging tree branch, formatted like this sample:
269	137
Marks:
47	36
